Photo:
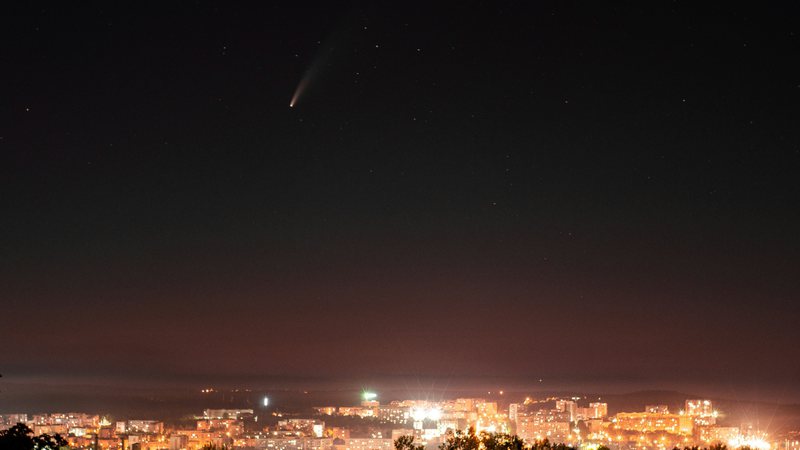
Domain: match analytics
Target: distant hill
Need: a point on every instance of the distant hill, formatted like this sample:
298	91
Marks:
636	401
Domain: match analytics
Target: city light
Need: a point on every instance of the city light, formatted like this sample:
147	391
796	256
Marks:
580	424
420	414
752	442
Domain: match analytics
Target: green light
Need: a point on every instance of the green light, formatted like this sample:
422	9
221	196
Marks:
369	395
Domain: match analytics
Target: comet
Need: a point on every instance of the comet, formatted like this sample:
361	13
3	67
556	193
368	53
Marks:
301	87
320	62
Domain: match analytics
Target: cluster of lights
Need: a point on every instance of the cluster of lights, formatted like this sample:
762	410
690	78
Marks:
488	420
420	414
751	442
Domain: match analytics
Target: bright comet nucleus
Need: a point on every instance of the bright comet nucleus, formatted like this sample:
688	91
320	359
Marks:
297	92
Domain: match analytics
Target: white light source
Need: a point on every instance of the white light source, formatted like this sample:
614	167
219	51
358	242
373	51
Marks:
434	414
265	402
752	442
418	414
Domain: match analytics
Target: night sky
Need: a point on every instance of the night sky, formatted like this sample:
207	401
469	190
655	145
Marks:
489	190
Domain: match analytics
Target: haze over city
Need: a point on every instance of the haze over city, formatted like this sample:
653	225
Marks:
430	201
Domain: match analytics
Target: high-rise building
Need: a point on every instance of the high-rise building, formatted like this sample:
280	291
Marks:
394	414
485	408
702	411
568	406
699	407
543	424
718	435
512	411
226	413
600	410
647	422
144	426
178	442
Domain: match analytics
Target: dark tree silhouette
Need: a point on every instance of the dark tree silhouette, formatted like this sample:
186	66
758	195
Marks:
20	437
547	445
713	447
407	443
501	441
461	441
214	447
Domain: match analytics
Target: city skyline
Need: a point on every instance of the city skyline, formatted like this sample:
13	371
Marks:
533	196
373	423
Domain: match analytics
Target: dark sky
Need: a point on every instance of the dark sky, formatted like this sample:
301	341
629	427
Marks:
475	189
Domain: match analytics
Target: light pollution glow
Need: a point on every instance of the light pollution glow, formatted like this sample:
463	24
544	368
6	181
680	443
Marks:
751	442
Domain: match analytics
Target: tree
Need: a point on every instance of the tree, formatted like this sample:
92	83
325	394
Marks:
407	443
16	438
501	441
461	441
214	447
545	444
20	437
45	442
